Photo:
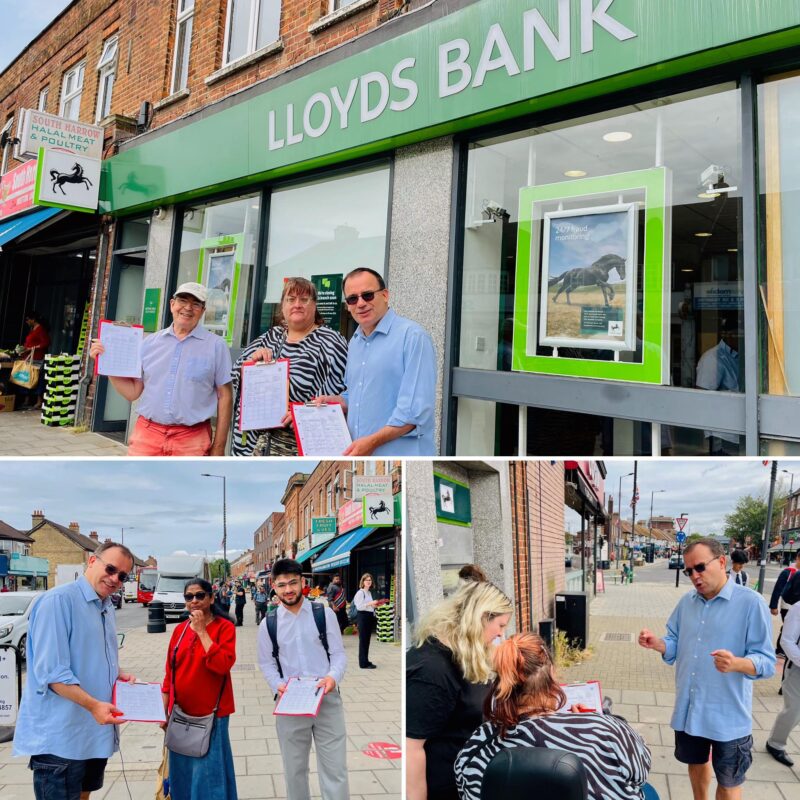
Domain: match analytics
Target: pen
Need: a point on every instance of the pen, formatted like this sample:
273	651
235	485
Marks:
317	692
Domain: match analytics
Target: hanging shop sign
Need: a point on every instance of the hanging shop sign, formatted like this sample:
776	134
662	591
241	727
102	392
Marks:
377	510
39	129
350	516
323	529
490	61
66	180
16	189
578	272
452	500
329	298
371	484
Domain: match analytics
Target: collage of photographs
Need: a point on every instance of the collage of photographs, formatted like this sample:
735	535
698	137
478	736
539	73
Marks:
446	348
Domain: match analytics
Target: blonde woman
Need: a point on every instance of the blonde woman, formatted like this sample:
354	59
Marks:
447	679
366	618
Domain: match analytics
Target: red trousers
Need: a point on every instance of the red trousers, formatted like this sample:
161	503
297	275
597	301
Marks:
153	439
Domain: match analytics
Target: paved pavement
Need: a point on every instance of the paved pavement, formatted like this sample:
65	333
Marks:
22	434
372	708
643	688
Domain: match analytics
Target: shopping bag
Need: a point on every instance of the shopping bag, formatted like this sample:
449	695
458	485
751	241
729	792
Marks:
24	373
162	787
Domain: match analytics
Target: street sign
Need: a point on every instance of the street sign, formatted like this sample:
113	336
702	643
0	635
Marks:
681	537
681	522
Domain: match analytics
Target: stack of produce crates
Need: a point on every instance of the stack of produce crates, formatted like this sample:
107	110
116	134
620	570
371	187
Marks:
61	376
384	618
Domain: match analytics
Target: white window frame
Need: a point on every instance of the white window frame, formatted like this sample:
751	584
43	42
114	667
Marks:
335	5
255	11
77	92
106	69
44	94
4	155
184	19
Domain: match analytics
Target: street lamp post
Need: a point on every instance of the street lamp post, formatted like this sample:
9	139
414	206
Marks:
634	499
650	521
122	533
788	501
619	514
224	523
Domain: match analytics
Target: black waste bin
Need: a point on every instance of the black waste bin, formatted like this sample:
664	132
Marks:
572	617
156	621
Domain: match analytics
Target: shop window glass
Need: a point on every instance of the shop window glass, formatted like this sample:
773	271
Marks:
134	233
696	136
322	229
779	122
218	248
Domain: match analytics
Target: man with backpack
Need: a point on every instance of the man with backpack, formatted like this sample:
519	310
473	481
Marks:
785	594
337	600
300	639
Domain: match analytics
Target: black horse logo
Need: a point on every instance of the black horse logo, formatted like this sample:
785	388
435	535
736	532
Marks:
381	508
76	176
596	275
447	498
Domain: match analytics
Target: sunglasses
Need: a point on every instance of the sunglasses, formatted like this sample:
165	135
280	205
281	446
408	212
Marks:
367	297
699	569
111	571
188	596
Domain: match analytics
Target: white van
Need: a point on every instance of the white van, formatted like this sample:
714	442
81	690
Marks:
174	572
131	590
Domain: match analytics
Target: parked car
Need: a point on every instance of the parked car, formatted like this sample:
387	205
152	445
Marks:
15	610
116	599
676	562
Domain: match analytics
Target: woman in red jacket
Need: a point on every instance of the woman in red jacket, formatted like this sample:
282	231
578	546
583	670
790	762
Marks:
38	341
202	652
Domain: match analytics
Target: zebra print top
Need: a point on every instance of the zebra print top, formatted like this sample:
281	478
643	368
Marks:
615	756
316	366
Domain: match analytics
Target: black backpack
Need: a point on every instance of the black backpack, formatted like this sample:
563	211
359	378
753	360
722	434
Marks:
791	592
318	610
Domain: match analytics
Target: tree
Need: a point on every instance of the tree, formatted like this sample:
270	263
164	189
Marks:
749	518
219	568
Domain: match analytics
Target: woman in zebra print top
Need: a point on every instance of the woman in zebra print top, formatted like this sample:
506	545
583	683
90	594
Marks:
523	711
317	358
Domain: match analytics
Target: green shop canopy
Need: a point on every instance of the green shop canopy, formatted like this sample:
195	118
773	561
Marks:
310	553
338	553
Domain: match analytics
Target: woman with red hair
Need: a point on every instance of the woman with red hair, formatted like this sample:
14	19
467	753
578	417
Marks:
526	708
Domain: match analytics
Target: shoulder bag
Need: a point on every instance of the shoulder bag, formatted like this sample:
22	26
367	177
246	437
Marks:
188	735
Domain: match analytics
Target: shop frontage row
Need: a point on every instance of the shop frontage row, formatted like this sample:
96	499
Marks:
589	210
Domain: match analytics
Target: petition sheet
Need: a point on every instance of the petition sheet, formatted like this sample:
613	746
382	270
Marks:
265	394
320	430
139	702
301	698
586	694
123	350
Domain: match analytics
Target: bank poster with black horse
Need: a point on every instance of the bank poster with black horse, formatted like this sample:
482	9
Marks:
588	278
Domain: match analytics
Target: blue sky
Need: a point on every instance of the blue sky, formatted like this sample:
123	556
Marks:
21	22
164	505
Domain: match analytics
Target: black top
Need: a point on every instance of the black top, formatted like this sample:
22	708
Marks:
443	708
240	597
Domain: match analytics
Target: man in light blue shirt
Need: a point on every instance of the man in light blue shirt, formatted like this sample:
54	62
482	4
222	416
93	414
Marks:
66	722
390	375
718	637
186	380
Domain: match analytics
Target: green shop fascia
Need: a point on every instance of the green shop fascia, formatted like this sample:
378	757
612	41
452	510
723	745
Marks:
482	70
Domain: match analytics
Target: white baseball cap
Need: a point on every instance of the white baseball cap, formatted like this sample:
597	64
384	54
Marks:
194	289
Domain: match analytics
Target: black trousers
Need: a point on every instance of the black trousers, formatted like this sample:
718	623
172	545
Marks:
365	622
240	614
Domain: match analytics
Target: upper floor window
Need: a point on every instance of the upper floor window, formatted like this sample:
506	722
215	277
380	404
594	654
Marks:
252	24
337	4
42	106
183	41
71	90
107	68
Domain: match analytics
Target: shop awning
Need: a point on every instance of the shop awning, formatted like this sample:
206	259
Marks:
13	228
310	553
338	552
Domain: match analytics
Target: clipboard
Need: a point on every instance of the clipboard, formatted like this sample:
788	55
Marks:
308	698
259	365
320	430
152	702
587	693
131	357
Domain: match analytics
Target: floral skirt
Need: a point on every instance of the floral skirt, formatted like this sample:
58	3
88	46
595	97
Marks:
210	777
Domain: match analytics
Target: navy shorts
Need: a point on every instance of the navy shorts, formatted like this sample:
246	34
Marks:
56	778
730	760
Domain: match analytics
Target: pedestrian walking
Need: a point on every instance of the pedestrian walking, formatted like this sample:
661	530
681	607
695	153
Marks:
301	639
260	601
737	573
337	600
789	716
718	637
197	682
67	722
239	599
365	619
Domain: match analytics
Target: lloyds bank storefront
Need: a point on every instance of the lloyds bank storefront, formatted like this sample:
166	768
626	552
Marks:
591	205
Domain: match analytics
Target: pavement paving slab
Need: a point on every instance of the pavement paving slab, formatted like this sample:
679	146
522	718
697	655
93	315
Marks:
372	710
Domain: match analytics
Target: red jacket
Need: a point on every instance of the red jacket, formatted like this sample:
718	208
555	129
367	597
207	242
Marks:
37	340
199	674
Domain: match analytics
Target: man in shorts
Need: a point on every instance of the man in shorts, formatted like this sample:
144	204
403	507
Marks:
716	664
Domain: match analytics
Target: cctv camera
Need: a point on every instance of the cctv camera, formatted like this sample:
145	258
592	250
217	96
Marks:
711	174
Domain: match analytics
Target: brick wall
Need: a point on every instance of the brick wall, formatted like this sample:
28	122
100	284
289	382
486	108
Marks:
50	543
537	508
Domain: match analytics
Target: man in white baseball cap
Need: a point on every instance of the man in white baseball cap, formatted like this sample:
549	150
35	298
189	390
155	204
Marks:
186	380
